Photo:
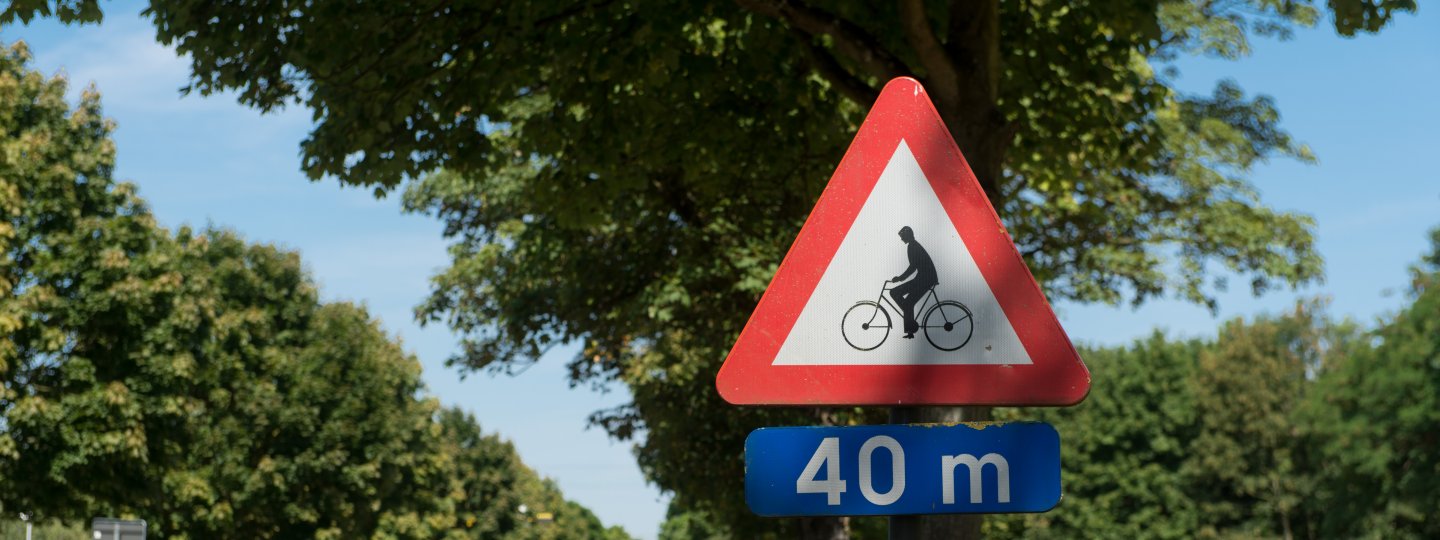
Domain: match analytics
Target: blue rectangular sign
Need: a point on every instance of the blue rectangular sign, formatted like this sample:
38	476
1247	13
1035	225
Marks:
902	469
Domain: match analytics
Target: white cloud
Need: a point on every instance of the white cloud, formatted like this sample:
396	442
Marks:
135	74
122	59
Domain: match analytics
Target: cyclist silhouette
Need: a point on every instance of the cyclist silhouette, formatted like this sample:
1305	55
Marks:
907	294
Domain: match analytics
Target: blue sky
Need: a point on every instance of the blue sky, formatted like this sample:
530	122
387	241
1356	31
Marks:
1365	105
1367	108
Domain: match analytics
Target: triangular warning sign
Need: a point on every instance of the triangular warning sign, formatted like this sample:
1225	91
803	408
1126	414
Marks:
903	288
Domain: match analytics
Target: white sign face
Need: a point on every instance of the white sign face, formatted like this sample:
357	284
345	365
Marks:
856	317
903	288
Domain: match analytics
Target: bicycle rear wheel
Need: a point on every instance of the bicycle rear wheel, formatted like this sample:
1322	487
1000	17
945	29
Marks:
865	325
949	325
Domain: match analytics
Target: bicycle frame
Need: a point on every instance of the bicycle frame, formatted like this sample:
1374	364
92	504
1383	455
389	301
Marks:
919	308
927	306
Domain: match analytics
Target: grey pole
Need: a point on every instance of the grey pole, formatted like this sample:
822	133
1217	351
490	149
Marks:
930	527
904	527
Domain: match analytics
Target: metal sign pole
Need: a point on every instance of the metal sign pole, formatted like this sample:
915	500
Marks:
904	527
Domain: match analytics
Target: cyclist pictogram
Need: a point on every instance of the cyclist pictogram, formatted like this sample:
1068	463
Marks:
948	324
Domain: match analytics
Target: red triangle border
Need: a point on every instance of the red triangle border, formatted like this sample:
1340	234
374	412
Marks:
1056	376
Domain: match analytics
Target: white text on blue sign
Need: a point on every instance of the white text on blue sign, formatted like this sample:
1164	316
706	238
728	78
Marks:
902	469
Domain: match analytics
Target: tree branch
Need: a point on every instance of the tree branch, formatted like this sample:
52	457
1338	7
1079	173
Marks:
974	40
382	54
851	40
828	67
944	77
573	11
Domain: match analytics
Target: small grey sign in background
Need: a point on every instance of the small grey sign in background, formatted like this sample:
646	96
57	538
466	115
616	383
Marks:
117	529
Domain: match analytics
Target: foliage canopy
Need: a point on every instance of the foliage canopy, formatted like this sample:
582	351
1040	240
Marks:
627	174
196	381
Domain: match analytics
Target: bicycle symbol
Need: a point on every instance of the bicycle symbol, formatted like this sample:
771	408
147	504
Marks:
948	324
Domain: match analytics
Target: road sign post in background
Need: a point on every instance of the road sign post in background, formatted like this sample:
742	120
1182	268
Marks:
104	528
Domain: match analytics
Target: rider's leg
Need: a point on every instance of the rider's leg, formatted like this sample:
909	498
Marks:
906	295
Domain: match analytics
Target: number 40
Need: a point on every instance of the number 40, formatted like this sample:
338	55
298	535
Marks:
828	455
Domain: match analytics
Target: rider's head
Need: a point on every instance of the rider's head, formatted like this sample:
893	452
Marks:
907	235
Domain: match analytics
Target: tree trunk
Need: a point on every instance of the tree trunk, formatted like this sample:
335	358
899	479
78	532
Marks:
969	110
979	128
962	75
968	105
937	526
825	528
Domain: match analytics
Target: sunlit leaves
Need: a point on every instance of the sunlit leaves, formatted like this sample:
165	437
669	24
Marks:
626	175
1376	423
195	381
1277	426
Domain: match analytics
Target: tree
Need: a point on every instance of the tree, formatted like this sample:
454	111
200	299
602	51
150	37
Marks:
1198	439
690	525
493	484
195	380
1249	469
1375	419
1124	447
192	379
65	415
627	174
489	471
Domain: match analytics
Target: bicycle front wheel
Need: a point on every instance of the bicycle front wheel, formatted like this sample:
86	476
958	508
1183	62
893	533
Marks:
865	325
949	325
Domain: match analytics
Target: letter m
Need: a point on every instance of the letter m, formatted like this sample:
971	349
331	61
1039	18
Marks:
1002	476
